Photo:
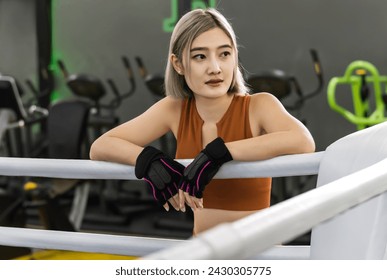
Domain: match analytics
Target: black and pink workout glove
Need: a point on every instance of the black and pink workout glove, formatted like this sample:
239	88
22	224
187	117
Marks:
203	168
162	173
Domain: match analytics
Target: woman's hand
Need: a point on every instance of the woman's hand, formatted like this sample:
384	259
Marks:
175	202
162	174
192	201
203	168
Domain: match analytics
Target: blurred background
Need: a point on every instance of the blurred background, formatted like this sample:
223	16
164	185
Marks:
120	48
91	36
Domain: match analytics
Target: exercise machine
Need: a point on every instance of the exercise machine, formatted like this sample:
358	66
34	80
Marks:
155	84
289	91
18	118
56	204
67	134
364	79
102	117
86	86
283	85
119	206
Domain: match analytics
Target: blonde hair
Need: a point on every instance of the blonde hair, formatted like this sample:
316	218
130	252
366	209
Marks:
190	26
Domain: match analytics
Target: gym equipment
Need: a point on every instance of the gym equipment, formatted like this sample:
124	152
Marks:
56	204
21	118
115	207
360	75
102	117
92	88
283	86
155	84
278	83
66	132
11	215
22	134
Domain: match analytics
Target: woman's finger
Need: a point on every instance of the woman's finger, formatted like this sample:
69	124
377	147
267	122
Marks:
197	202
181	200
174	201
190	201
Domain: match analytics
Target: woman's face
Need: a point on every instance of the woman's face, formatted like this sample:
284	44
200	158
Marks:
211	64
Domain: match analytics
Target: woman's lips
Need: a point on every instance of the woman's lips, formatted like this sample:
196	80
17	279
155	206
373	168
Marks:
214	82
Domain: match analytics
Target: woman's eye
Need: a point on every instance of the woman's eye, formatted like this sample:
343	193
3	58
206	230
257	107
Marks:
199	56
225	54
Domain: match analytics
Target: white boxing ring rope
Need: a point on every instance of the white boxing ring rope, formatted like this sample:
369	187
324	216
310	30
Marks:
290	165
284	221
83	242
241	239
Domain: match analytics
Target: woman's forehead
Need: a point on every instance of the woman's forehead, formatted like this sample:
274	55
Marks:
212	38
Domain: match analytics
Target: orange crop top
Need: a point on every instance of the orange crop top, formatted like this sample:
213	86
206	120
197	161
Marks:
227	194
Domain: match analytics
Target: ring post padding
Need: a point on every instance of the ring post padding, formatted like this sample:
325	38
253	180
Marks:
361	232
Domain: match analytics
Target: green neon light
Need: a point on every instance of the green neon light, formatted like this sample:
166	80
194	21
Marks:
53	67
200	4
169	23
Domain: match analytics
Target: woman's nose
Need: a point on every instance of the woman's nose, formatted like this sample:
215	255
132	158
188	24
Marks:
214	67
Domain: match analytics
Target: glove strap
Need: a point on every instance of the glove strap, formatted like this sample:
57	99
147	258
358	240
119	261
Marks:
144	160
217	150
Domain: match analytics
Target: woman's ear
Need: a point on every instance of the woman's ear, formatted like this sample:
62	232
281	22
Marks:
177	65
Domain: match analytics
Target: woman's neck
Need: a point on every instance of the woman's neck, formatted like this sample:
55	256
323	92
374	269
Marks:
212	110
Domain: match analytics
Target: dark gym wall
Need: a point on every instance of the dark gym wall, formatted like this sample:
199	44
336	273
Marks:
279	33
18	39
92	35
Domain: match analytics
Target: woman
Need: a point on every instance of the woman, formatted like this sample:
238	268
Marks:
214	120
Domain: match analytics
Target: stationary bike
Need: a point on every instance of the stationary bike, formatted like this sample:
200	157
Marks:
91	88
283	85
102	117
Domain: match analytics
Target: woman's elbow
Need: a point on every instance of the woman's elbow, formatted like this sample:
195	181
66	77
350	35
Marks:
307	144
95	150
92	152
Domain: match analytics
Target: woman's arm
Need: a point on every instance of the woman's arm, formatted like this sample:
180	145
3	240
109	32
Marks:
124	143
275	132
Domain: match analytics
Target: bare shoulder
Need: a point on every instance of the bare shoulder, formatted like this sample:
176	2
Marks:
263	97
160	118
264	101
264	109
169	106
167	111
171	102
